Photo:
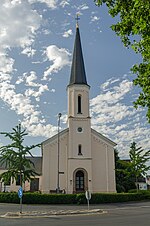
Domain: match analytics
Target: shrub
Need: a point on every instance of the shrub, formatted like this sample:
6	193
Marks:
9	197
36	198
97	198
132	191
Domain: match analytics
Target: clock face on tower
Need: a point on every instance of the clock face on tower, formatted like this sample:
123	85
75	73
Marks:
80	129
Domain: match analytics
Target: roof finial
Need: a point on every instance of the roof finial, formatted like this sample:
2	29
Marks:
77	19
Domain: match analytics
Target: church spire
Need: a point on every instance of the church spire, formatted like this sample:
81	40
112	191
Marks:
78	75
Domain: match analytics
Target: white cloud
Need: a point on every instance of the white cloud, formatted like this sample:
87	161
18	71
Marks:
114	94
65	3
59	57
37	62
28	51
94	18
29	79
19	80
6	65
21	104
39	129
46	31
17	102
50	3
52	90
114	118
38	93
83	7
67	33
105	85
18	23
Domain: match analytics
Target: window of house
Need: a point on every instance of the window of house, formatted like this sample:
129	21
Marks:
18	180
79	149
79	104
8	182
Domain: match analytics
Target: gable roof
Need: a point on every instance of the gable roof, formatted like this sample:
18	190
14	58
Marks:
65	131
102	137
53	138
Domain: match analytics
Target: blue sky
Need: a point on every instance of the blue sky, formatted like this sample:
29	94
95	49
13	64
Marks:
36	44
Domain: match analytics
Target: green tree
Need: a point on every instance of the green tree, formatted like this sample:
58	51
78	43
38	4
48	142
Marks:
123	183
138	162
14	157
134	29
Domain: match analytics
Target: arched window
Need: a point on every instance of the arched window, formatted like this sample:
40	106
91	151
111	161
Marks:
79	104
79	149
79	178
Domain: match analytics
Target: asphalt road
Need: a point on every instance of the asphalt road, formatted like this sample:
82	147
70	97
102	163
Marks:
125	214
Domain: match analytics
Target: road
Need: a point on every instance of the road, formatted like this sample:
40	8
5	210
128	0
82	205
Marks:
125	214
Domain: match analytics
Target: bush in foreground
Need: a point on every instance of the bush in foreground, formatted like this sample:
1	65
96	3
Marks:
97	198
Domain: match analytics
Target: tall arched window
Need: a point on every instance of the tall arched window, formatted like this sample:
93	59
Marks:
79	179
79	104
79	149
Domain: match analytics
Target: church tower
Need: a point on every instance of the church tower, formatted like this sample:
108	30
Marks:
79	121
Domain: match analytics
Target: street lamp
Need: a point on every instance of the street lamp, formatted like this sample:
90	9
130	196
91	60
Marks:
58	188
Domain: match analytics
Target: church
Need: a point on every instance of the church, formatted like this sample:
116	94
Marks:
78	158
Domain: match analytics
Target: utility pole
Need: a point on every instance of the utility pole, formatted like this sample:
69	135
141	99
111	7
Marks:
58	186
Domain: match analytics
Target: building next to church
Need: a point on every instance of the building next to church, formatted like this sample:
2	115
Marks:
33	185
78	158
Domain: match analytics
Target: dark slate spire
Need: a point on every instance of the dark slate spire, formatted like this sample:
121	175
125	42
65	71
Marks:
78	75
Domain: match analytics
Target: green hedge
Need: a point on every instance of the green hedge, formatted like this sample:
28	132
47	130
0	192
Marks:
35	198
98	198
110	198
9	197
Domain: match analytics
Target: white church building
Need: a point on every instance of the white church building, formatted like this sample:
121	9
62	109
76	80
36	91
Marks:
78	158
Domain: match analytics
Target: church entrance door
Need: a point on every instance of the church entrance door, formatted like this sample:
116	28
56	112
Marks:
79	181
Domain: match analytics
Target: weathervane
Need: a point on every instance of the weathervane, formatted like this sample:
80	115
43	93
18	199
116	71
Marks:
77	19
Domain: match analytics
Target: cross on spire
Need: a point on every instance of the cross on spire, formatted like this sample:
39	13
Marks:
77	19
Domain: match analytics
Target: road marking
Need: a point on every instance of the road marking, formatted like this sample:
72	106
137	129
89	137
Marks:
128	207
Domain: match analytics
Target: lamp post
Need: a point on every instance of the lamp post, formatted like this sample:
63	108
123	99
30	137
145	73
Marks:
58	188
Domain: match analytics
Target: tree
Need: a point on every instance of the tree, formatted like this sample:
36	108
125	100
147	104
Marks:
136	167
14	157
134	30
123	183
138	162
128	172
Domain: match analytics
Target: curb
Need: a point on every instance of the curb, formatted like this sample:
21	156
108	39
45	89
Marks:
51	213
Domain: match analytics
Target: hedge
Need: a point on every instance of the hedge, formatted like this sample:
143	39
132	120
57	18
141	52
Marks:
37	198
9	197
33	198
97	198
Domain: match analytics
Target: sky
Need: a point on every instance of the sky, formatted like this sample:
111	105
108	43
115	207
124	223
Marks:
36	45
